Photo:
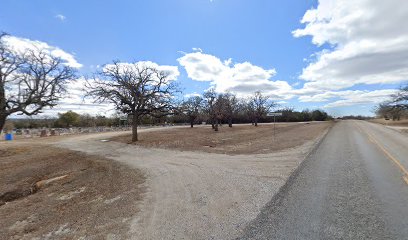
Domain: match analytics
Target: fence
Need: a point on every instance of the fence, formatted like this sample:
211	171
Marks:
46	132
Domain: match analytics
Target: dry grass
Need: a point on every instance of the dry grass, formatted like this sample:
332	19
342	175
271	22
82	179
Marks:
240	139
401	123
95	198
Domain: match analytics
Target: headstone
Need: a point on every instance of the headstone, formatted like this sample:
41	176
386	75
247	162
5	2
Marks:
43	133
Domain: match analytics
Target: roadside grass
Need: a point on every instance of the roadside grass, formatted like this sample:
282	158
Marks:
400	123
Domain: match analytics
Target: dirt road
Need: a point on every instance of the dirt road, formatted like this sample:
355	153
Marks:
195	195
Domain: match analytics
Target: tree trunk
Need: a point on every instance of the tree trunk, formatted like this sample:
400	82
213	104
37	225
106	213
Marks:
134	128
256	122
3	107
216	125
230	122
191	123
2	122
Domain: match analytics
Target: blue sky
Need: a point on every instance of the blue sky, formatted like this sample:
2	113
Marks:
333	51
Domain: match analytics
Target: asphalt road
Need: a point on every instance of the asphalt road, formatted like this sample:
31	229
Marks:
354	185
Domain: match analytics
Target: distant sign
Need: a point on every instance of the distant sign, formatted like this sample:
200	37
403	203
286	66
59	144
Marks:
274	114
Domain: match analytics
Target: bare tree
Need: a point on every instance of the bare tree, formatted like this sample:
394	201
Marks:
259	105
400	99
30	81
396	107
210	97
231	106
219	111
192	107
221	106
386	110
135	89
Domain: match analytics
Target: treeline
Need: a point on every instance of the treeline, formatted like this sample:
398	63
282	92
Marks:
73	119
288	115
227	108
396	108
65	120
357	117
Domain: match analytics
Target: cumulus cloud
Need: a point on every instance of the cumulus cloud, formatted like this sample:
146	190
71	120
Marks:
21	45
75	100
171	71
349	97
194	94
368	39
241	78
60	17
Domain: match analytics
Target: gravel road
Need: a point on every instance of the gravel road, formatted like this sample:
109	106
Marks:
195	195
354	186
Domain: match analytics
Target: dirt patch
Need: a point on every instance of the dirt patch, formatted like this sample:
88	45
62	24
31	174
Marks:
240	139
49	192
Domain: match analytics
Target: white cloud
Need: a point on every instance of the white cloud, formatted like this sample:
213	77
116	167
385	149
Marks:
171	71
349	97
23	44
241	78
60	17
369	40
197	50
194	94
75	100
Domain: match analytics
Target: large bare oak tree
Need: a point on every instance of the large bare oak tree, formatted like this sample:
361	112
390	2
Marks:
210	97
192	107
135	89
30	80
230	104
259	105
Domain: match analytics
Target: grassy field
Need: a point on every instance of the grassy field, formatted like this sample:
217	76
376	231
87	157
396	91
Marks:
240	139
401	123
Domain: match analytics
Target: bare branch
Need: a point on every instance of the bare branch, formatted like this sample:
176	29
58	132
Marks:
30	81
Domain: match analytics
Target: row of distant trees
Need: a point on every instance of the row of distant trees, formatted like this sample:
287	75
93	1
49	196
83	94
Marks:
35	79
73	119
228	108
64	120
216	108
396	107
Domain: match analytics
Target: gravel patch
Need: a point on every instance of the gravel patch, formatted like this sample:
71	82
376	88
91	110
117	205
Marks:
197	195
